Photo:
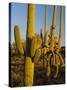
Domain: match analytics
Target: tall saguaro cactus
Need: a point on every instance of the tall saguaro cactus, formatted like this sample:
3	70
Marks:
45	26
54	58
29	64
60	30
53	29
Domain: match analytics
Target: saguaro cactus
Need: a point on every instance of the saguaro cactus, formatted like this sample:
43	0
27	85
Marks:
54	57
45	26
60	32
53	29
29	63
18	40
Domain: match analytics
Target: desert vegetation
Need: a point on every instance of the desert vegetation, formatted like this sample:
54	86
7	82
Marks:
38	60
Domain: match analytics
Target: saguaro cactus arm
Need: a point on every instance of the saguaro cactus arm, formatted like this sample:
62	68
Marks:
18	40
52	42
60	30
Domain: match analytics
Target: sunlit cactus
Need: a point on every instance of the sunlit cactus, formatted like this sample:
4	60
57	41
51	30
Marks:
43	52
53	29
45	41
56	61
29	71
39	42
45	27
54	58
35	44
60	30
29	63
37	55
18	40
31	18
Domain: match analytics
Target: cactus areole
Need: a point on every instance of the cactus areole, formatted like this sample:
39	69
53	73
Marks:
29	64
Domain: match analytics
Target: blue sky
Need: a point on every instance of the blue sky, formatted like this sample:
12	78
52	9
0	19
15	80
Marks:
19	17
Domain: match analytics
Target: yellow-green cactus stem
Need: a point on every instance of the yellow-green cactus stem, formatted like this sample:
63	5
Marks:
56	60
53	29
35	44
31	18
48	73
39	42
18	40
37	55
29	63
45	28
29	72
60	32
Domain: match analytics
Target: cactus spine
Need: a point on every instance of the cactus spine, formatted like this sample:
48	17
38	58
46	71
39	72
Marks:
52	42
18	40
45	28
29	64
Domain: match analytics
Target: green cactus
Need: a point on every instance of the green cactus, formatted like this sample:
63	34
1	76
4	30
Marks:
54	58
53	29
18	40
39	42
29	71
35	44
60	32
45	28
37	55
29	63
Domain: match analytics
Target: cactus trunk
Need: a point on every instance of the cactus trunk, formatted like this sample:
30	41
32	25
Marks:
45	28
29	64
60	32
53	29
